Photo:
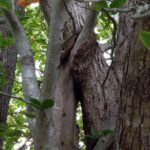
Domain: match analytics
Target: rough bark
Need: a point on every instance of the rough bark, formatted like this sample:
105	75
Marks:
134	121
99	102
67	20
58	82
8	57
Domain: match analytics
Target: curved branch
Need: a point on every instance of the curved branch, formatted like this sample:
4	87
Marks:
30	84
29	81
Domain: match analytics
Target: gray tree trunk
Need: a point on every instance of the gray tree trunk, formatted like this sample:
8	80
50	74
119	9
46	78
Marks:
134	120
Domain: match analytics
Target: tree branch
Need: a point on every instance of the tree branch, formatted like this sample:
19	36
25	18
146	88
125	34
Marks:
47	10
29	81
120	10
142	16
30	84
142	11
11	96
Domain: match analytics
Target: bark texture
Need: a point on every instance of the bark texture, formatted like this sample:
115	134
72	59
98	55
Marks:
99	103
8	57
86	61
134	121
67	20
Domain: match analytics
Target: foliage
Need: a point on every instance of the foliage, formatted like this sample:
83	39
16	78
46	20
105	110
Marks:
117	3
16	128
7	4
94	134
3	79
6	42
104	28
79	120
98	6
47	103
145	38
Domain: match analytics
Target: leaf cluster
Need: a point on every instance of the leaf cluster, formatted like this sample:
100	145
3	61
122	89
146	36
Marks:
46	104
94	134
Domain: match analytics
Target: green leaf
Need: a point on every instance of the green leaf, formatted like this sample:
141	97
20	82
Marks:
48	103
30	115
96	134
7	131
93	134
39	83
41	41
6	42
7	4
3	79
3	127
13	133
90	136
99	5
117	3
35	103
145	38
106	132
9	42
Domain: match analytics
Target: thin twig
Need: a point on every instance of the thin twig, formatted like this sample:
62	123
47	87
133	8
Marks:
113	45
142	16
11	96
16	92
113	32
120	10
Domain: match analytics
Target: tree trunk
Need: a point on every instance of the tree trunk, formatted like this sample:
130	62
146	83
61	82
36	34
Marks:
75	69
99	103
58	83
64	53
134	121
8	57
